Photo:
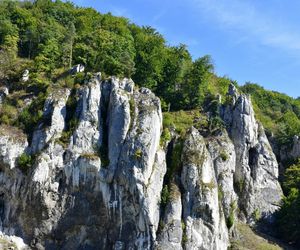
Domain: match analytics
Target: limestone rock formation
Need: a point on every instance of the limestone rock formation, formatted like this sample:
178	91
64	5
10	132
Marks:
204	219
290	152
256	167
98	183
171	231
223	155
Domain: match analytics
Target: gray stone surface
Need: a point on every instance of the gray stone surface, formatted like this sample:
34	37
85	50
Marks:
256	167
103	189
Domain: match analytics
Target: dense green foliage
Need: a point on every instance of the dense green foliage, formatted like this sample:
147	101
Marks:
288	217
47	37
25	161
278	112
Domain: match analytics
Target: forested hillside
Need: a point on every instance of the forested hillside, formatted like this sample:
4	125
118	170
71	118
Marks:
278	112
48	38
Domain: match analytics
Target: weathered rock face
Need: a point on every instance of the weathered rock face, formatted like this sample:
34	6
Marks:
102	190
12	144
256	169
53	120
170	236
291	152
223	155
204	220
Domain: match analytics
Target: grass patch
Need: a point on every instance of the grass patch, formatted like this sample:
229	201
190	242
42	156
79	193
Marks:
181	121
249	240
165	136
90	156
230	219
184	239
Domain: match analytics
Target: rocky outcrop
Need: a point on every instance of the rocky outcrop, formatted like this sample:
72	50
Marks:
97	184
103	189
292	151
223	155
256	167
12	144
171	229
53	121
203	218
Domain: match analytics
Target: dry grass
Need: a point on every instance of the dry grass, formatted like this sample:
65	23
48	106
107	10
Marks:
7	245
248	240
15	133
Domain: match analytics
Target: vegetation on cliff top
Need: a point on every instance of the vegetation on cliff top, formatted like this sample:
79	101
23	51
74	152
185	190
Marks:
48	37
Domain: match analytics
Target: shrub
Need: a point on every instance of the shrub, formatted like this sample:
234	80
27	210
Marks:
230	219
71	119
165	136
239	185
8	114
184	239
292	177
224	156
256	215
24	162
174	160
32	115
288	218
215	124
79	78
138	154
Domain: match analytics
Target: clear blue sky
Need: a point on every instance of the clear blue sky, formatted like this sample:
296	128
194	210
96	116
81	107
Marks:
249	40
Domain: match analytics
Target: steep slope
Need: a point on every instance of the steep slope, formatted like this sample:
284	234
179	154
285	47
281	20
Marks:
102	189
256	171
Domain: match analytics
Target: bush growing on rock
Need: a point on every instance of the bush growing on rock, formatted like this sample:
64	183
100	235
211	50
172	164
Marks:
25	161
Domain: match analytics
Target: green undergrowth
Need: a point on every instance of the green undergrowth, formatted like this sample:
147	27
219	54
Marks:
230	220
248	239
25	162
181	121
278	112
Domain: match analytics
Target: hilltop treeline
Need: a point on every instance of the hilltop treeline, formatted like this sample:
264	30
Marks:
48	38
56	35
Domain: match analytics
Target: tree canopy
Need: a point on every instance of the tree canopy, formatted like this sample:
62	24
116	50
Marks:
54	35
